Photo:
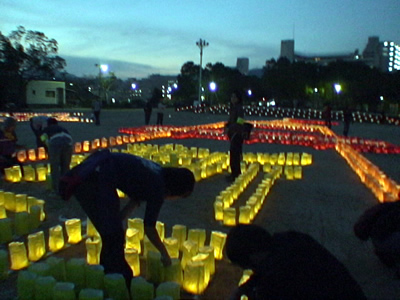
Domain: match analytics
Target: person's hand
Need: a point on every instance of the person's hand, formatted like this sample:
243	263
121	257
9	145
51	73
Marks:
166	260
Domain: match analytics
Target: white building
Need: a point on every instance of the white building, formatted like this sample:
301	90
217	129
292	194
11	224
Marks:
45	92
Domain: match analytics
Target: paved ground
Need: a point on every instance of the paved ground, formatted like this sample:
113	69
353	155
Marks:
325	203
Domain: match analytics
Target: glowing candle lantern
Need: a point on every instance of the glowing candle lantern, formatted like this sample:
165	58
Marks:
169	289
44	287
140	286
189	249
118	140
63	291
194	277
154	267
85	146
74	230
1	197
9	201
36	246
42	153
132	239
20	203
75	270
9	174
32	154
3	212
244	214
210	261
6	232
112	141
93	249
197	236
40	203
179	232
289	172
296	159
25	284
148	246
94	276
229	216
29	173
204	258
160	226
21	223
137	223
245	276
173	273
41	173
95	144
21	156
78	147
57	267
132	258
4	264
91	294
218	210
172	246
104	142
297	172
217	241
91	231
18	256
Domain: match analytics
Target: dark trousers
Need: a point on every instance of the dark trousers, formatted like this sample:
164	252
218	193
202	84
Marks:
102	205
97	117
147	115
160	118
236	149
346	127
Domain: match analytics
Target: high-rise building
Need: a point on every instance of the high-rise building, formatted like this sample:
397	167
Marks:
242	64
287	49
384	56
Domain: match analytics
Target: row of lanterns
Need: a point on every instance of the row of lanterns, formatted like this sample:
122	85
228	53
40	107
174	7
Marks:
60	116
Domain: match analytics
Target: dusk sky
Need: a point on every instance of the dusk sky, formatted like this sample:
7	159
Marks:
139	38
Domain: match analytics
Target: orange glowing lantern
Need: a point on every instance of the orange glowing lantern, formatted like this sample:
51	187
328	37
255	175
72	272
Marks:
21	156
42	153
32	154
78	147
86	146
104	142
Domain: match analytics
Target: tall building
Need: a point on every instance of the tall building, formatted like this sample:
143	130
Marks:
384	56
287	49
242	64
390	57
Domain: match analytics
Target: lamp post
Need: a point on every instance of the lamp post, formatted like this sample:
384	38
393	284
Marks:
102	68
213	88
201	44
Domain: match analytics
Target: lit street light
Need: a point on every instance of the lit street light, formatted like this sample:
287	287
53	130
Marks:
102	68
201	44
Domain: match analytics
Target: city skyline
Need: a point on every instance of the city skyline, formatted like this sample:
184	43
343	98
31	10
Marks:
137	39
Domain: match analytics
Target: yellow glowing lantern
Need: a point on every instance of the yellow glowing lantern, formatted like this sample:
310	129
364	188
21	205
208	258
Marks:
20	203
78	147
210	261
194	277
32	154
41	173
189	249
29	173
18	256
86	146
217	241
288	171
297	172
132	239
9	201
244	214
6	232
172	246
93	249
74	230
204	258
154	267
229	216
56	238
218	210
3	212
137	223
197	236
1	197
296	159
132	258
179	232
160	226
36	246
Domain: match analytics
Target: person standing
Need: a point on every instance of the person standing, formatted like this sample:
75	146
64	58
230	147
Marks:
148	107
287	265
96	111
59	145
160	113
347	119
94	183
234	130
38	124
327	115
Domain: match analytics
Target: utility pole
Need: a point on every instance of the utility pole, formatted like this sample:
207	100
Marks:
201	44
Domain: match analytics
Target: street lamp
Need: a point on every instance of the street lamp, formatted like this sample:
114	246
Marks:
212	86
201	44
102	68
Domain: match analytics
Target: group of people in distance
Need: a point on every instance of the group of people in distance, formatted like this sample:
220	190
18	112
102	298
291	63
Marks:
285	265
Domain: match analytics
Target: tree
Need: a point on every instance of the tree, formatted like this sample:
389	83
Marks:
26	55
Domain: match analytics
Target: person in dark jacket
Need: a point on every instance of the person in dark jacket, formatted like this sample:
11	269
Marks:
287	265
94	183
148	108
38	124
234	130
59	145
381	224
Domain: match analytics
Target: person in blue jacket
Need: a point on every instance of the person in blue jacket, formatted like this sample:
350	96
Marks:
94	183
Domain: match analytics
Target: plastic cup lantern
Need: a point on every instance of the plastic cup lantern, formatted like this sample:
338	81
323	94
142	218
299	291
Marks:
18	255
217	241
133	260
74	230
